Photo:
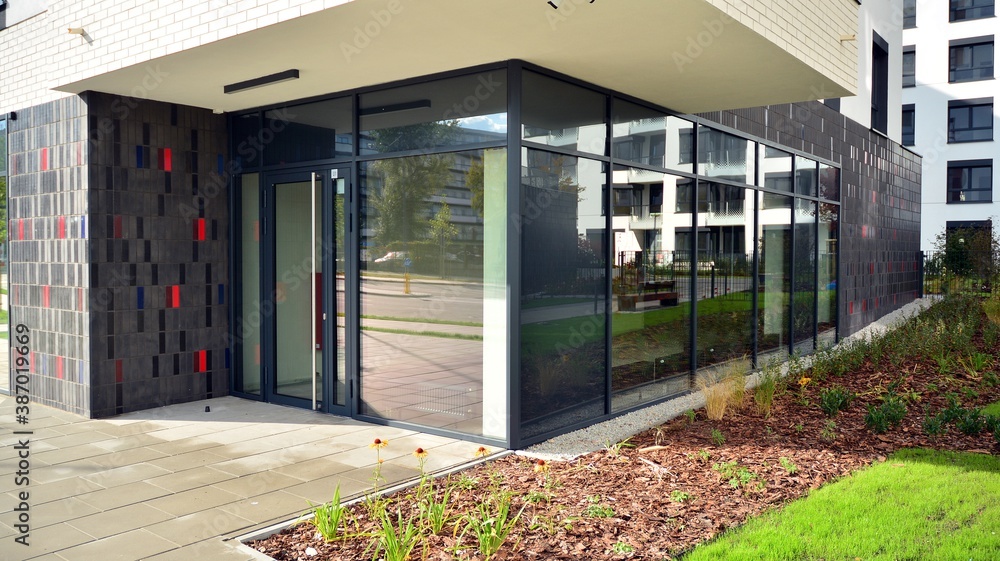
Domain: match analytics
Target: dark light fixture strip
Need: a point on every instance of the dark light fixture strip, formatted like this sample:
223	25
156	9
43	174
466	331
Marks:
407	106
292	74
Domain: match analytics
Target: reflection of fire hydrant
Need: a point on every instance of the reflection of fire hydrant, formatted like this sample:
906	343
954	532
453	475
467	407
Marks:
406	283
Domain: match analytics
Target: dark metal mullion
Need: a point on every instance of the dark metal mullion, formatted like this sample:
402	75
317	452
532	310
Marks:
431	151
791	258
608	255
755	267
352	274
513	436
840	222
816	209
693	262
329	287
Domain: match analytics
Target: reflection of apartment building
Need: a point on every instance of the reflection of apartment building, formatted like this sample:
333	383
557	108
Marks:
164	177
948	111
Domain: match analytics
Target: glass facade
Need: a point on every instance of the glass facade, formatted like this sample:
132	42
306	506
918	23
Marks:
512	285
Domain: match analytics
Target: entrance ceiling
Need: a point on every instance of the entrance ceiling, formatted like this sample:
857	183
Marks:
682	54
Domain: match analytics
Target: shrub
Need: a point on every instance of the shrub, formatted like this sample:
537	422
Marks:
875	420
889	414
972	422
835	400
718	438
934	425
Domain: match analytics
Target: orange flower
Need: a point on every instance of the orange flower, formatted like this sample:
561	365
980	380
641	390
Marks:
541	466
378	444
420	453
803	381
482	452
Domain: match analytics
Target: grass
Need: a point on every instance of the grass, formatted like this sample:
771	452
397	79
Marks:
919	504
439	334
992	409
423	320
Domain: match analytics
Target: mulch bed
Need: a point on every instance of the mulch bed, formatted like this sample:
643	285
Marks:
642	487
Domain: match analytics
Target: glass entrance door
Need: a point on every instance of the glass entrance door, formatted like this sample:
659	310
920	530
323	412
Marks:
304	271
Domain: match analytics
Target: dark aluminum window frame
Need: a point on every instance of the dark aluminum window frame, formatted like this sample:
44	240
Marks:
985	9
974	45
909	133
966	167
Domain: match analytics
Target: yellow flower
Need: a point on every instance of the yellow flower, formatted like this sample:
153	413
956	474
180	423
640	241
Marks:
541	466
378	444
482	452
803	381
420	453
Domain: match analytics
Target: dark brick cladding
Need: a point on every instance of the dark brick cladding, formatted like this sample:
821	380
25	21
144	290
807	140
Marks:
123	269
880	198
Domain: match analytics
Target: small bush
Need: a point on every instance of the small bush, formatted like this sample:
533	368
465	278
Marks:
763	394
835	400
934	425
894	409
875	420
971	423
718	438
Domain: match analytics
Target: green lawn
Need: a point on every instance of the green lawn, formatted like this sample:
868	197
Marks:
920	504
992	409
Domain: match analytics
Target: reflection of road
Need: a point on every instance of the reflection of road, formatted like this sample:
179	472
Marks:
429	300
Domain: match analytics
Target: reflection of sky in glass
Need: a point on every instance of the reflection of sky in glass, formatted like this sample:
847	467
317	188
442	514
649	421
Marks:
490	123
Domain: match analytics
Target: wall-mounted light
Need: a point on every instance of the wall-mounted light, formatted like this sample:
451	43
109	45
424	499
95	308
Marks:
76	31
851	37
262	81
556	3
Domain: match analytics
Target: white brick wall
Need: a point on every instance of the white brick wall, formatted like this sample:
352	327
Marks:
39	54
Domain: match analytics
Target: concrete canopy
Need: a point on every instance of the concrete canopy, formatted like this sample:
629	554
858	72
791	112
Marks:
686	55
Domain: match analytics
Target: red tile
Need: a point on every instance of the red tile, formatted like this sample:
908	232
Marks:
850	307
198	227
45	296
168	164
118	226
118	371
20	229
45	159
59	367
79	299
62	228
177	296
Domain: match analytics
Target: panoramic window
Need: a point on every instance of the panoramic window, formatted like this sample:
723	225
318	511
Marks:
829	223
640	136
307	132
909	66
970	120
970	59
909	14
909	124
959	10
725	156
563	115
563	275
774	234
970	181
804	287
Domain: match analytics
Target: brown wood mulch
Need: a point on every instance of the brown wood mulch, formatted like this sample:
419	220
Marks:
640	488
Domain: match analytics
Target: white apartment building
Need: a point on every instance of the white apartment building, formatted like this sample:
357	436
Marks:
948	111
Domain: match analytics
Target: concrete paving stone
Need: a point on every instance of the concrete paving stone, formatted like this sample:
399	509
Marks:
58	490
50	474
247	433
214	549
271	507
313	469
253	464
82	426
122	458
127	442
50	557
189	430
200	526
126	474
391	474
175	448
119	520
55	512
65	454
188	460
128	546
257	484
313	450
193	500
6	530
189	479
50	539
123	495
321	490
356	457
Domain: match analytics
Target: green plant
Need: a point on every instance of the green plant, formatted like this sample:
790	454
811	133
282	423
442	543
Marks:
718	438
717	395
328	517
535	497
396	541
737	475
971	423
789	465
798	427
875	420
970	394
829	432
834	400
894	409
597	510
734	374
491	522
691	415
467	483
679	496
704	455
763	394
934	425
435	511
616	448
622	548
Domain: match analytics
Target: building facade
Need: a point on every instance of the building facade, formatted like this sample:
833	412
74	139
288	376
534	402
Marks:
948	112
503	241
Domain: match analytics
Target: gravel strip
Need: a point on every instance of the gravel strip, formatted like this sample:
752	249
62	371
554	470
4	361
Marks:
596	437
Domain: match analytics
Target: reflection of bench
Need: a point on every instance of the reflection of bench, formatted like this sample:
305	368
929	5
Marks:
627	302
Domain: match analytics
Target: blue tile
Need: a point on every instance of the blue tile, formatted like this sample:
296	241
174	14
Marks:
222	294
140	297
138	157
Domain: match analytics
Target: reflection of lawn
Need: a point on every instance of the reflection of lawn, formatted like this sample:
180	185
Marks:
559	301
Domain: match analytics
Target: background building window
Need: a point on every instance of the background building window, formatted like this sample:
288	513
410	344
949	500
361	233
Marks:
909	124
970	59
960	10
970	181
909	66
880	84
909	14
970	120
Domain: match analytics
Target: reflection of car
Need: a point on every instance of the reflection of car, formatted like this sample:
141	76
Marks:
393	256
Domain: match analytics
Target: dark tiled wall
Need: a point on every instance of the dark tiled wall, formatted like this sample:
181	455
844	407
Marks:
119	265
880	197
48	230
158	254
